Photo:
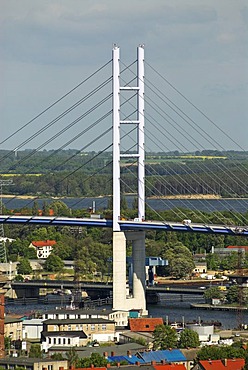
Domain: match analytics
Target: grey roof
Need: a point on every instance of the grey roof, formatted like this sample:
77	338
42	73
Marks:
9	320
79	321
62	334
120	349
79	311
25	360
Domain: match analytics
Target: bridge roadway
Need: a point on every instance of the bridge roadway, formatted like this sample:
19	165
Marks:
126	224
31	288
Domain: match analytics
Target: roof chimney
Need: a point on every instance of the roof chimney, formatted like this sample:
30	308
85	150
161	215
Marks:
224	361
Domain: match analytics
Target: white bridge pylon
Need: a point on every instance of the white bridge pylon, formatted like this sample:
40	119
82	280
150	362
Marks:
122	299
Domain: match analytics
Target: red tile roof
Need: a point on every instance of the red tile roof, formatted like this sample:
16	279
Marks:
43	243
170	367
145	324
231	364
237	247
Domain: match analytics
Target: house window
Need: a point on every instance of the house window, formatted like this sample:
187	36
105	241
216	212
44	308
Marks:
69	327
49	340
92	326
59	340
54	340
64	341
104	327
69	341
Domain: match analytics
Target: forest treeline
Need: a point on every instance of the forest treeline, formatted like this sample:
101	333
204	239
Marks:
72	174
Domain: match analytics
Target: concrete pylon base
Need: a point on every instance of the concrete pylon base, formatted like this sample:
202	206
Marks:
120	299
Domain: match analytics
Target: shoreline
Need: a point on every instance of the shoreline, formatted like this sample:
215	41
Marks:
205	306
190	197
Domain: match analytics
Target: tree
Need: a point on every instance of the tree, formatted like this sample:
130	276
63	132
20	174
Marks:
216	353
189	338
179	258
164	337
95	359
233	294
57	356
24	267
35	209
35	351
72	357
53	263
211	293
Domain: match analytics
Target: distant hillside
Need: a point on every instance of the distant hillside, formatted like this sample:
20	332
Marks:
73	174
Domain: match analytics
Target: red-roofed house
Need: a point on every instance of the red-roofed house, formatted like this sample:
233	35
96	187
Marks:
145	324
226	364
43	248
236	248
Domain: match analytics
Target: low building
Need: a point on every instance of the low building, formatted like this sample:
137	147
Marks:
43	248
200	268
173	356
13	328
33	363
8	269
204	331
225	364
76	332
144	324
119	317
32	328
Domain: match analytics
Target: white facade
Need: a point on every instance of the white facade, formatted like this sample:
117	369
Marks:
119	317
105	337
60	341
43	249
205	332
32	328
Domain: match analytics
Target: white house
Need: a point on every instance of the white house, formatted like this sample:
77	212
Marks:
43	248
76	332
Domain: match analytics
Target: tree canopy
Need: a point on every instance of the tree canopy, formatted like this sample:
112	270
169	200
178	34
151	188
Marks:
189	339
164	337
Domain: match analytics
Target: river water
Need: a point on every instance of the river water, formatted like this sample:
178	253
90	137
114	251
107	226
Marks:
208	205
172	309
169	308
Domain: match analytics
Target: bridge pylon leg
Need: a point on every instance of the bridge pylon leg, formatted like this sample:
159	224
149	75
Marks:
121	301
138	254
119	270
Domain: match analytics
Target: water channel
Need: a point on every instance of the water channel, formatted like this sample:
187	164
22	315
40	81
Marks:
170	308
208	205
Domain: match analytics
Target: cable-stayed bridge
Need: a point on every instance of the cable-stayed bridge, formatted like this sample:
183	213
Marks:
126	105
125	224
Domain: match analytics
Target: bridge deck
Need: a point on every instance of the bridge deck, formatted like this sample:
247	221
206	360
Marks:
126	224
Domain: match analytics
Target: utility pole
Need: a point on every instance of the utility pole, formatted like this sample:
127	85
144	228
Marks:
3	255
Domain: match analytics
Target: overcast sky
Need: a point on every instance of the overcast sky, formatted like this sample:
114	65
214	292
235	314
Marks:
201	46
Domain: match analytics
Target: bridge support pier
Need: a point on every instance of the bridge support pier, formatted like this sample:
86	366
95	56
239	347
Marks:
122	301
